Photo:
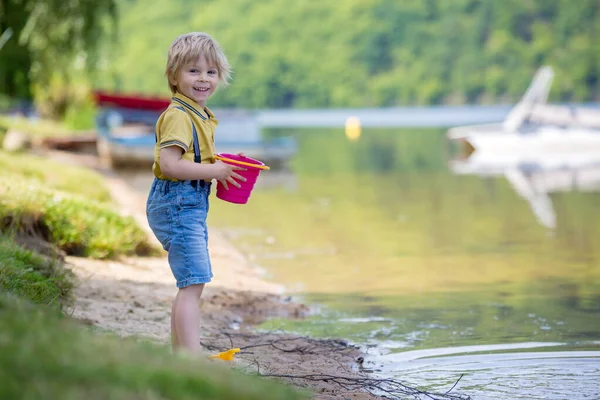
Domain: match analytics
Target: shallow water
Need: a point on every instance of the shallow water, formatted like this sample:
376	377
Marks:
558	373
436	274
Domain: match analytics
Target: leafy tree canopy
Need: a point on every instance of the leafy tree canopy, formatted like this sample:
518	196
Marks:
310	53
53	43
316	53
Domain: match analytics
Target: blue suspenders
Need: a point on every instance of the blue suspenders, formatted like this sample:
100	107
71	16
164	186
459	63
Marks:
197	157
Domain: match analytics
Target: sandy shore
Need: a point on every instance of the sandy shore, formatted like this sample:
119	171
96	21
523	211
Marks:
132	296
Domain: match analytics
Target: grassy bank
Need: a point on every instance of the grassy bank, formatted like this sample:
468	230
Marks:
45	354
39	128
54	175
29	275
68	207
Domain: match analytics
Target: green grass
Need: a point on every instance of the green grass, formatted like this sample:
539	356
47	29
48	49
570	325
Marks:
69	207
40	128
74	223
44	355
29	275
54	175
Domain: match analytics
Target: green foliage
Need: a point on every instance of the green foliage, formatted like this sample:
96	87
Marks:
46	356
54	175
77	119
32	276
361	53
5	102
358	53
69	207
81	115
72	222
52	47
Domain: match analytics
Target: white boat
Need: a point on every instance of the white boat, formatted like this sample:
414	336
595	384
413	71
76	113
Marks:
539	148
535	126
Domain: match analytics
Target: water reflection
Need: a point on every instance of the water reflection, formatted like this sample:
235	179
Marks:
537	176
283	178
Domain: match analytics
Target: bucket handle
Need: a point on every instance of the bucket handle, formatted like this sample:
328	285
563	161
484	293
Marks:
247	164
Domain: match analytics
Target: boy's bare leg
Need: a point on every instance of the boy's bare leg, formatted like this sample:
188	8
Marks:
186	318
174	339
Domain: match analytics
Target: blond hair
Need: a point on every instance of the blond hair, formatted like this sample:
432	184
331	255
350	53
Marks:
191	46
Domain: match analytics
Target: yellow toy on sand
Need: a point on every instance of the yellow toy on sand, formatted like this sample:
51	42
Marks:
226	355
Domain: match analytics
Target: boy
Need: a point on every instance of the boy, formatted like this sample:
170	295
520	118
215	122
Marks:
184	166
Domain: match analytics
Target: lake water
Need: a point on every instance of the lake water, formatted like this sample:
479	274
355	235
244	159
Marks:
435	274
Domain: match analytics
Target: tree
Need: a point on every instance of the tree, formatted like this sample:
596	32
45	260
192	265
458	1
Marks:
54	42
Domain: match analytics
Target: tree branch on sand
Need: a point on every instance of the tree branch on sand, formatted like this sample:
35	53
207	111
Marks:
350	380
388	388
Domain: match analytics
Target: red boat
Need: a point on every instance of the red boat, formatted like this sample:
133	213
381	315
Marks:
104	99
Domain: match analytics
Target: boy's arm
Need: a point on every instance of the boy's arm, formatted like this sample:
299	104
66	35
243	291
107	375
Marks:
173	166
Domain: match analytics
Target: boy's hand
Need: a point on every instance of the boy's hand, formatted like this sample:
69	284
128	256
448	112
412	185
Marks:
226	173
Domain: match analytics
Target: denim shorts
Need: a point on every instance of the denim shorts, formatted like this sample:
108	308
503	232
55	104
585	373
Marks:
176	214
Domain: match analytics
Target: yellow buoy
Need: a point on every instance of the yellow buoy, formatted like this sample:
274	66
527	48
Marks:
353	128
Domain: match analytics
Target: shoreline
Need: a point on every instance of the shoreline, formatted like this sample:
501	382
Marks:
132	296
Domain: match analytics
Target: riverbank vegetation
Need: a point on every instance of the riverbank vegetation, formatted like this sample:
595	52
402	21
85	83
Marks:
48	210
66	207
374	53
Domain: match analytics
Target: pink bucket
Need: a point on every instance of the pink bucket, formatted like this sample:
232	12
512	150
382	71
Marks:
242	194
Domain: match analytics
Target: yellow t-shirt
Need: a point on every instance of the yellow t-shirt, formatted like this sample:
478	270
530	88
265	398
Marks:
174	128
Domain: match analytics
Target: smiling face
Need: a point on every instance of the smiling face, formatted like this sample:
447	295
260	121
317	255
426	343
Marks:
197	80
